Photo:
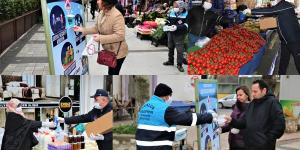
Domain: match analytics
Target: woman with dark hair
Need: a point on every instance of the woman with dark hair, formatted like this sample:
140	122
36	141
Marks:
93	8
236	141
109	30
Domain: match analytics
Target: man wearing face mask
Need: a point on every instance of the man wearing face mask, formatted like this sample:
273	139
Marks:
201	21
102	106
177	21
288	29
18	134
157	120
263	121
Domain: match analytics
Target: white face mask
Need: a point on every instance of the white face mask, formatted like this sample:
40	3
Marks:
19	109
176	10
273	3
97	106
207	5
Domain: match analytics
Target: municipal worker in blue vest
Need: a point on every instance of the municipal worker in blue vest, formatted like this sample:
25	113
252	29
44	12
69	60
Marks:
176	35
157	121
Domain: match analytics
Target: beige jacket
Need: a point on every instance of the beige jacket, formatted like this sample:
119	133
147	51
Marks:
111	26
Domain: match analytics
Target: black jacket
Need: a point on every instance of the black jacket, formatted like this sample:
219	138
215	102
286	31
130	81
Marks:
263	123
174	117
91	116
18	134
185	118
287	22
201	22
179	20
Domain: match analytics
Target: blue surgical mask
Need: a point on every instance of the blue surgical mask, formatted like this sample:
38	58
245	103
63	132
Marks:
169	101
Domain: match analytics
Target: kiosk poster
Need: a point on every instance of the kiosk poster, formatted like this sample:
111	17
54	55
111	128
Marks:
206	98
64	46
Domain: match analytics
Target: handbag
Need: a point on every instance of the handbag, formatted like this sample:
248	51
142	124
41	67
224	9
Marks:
108	58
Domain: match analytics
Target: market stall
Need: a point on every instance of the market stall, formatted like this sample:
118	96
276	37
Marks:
234	50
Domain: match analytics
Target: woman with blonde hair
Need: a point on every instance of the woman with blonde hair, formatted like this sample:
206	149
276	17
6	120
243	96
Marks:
18	134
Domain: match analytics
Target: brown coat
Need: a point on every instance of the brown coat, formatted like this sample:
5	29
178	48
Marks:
111	27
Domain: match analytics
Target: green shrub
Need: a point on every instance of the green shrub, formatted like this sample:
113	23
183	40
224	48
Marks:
10	9
19	7
125	129
158	33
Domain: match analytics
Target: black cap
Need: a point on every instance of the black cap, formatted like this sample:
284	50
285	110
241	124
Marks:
100	92
162	90
110	2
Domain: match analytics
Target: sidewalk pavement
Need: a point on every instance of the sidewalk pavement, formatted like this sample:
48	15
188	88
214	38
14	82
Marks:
28	55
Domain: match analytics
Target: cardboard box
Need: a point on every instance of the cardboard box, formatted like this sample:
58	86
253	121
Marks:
102	125
249	3
268	23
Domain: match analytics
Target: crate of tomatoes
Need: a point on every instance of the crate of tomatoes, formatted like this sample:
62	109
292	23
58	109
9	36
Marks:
226	53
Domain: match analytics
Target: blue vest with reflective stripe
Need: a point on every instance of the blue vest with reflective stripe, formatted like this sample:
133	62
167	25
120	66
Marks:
152	130
181	15
153	112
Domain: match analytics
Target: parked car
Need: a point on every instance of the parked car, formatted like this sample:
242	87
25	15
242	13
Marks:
227	101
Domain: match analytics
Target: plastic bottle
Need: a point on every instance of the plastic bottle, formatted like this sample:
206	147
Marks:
82	142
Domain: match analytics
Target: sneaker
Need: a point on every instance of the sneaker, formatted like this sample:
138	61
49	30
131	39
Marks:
180	68
168	63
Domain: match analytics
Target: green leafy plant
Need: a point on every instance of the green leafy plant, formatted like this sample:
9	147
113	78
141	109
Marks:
7	10
19	7
158	33
125	129
28	5
10	9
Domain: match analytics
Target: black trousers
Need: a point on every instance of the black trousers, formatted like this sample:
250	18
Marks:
286	51
176	41
116	70
105	145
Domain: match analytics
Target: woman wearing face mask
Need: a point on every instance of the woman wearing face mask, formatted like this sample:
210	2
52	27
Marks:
18	134
177	21
102	106
109	31
201	20
235	139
